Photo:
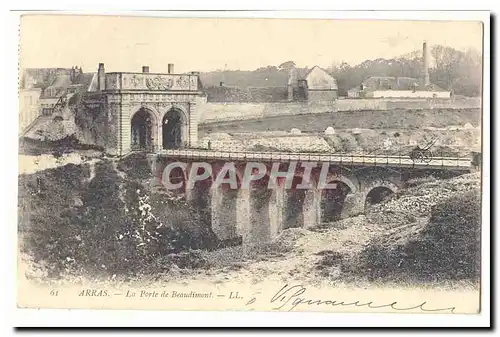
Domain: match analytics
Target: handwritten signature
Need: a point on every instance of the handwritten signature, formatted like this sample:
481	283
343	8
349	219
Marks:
292	296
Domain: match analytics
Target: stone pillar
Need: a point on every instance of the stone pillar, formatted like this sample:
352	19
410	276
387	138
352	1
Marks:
125	136
225	213
276	210
114	114
312	207
243	212
264	216
193	198
159	145
157	166
193	125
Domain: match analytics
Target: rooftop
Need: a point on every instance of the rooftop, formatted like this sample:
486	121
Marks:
252	94
397	83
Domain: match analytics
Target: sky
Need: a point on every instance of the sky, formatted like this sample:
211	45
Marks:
202	44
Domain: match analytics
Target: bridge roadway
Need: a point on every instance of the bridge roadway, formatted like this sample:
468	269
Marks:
455	163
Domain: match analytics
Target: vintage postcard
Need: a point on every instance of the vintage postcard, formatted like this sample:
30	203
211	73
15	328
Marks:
250	164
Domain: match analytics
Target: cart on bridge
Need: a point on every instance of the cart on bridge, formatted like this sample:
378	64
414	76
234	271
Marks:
422	155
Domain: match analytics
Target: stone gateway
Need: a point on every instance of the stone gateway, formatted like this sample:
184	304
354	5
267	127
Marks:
144	111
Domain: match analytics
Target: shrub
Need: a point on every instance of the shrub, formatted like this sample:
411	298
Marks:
455	232
447	248
135	166
104	226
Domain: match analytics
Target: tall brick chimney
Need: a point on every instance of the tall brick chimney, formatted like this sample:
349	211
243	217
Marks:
170	68
145	69
101	77
426	64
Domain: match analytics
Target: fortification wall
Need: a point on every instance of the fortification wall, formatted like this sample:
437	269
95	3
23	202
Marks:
212	112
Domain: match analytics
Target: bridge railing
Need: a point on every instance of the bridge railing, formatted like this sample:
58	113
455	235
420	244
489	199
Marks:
461	162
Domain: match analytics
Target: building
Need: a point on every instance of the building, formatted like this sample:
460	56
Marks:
309	85
315	85
354	92
65	83
29	97
400	87
28	107
397	87
121	111
143	111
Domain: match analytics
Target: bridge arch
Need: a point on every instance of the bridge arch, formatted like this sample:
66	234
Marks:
144	129
378	192
177	174
332	202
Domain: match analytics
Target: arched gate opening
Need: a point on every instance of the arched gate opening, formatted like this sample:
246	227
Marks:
143	126
173	129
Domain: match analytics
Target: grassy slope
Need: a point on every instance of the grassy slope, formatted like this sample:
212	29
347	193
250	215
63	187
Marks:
74	219
430	232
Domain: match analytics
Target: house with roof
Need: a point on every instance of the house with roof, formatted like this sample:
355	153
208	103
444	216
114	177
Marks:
401	87
44	91
298	84
397	87
314	85
66	82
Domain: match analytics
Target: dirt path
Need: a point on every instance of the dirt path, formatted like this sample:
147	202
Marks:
298	263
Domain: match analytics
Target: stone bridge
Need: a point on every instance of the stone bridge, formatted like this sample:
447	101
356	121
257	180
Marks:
347	186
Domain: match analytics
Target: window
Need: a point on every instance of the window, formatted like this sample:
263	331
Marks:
47	111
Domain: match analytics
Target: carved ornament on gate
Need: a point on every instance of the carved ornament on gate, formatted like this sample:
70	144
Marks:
159	83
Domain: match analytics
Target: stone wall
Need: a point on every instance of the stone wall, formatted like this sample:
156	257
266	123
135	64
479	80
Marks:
193	124
408	93
212	112
287	143
321	95
92	120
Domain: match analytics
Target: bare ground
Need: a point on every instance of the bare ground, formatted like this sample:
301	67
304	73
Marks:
399	119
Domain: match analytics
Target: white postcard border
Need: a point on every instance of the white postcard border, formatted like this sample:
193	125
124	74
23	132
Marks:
46	317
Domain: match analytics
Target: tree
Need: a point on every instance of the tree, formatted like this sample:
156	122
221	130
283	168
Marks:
453	70
287	65
269	69
460	71
457	70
